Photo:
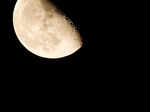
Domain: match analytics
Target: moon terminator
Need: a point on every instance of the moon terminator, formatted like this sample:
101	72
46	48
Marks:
44	30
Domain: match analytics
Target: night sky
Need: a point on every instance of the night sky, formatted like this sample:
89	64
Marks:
98	24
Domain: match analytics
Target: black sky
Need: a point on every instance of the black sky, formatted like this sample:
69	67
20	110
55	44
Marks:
99	23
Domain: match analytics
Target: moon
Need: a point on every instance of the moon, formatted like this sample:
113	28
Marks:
44	30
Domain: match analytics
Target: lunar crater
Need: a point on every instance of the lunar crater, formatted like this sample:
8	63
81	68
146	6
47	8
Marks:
43	30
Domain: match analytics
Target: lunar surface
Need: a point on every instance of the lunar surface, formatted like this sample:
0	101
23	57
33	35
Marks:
44	30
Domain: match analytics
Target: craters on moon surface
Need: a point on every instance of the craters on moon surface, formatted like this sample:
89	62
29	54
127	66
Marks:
43	30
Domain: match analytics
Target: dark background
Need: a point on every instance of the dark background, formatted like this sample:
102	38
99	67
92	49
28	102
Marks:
102	62
102	68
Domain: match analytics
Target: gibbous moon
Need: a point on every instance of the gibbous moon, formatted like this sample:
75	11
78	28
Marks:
44	30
